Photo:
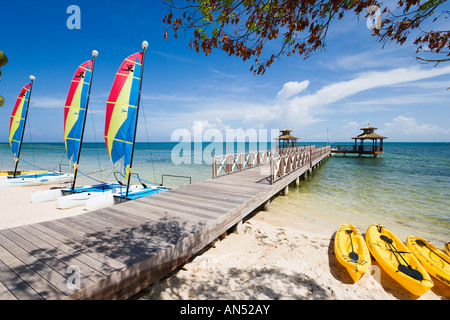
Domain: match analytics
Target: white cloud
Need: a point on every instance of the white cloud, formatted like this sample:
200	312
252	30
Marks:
308	109
48	102
369	80
290	105
292	88
202	127
369	59
403	127
262	115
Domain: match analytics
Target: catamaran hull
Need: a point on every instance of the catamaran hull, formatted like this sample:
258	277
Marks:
111	199
34	181
99	202
85	193
78	199
46	195
5	174
50	195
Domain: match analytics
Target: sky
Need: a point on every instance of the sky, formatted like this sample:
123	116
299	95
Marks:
353	82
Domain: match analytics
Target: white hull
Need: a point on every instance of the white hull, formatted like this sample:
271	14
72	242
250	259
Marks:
99	202
46	195
108	200
50	195
34	181
78	199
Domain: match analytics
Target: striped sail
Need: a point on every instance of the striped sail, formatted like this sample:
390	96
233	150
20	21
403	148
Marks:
75	111
121	113
16	125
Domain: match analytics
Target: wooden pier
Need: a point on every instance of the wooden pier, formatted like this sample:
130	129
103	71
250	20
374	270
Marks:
374	149
115	252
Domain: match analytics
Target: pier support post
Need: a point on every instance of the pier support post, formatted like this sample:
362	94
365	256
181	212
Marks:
237	227
212	244
297	182
285	191
266	205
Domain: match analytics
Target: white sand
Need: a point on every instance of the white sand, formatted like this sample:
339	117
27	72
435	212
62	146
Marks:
275	258
16	208
272	257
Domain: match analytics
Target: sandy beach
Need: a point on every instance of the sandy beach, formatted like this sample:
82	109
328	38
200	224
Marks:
271	257
16	208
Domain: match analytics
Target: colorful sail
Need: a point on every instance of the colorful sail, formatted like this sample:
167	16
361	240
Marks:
75	110
17	122
121	112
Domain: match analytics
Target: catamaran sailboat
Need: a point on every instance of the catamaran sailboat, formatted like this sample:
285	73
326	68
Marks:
120	133
16	130
75	112
122	111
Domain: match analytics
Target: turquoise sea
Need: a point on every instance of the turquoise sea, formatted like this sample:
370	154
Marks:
407	189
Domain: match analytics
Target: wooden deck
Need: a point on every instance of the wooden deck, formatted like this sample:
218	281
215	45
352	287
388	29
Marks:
115	252
359	150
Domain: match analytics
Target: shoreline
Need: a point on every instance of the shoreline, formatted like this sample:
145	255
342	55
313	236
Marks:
273	256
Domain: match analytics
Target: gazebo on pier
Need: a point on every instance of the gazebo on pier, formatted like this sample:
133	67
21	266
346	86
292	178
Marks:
374	148
369	134
286	140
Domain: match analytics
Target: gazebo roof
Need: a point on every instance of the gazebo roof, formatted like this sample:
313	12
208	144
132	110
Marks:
286	137
369	136
369	127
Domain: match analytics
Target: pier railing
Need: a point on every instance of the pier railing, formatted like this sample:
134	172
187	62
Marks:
229	163
281	161
355	149
305	157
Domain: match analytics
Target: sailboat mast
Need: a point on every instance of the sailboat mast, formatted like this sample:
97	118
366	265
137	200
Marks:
94	55
144	47
32	78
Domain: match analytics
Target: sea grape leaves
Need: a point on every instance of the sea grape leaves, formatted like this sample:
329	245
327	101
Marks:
243	28
3	61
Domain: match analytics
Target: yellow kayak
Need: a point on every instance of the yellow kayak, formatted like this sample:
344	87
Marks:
396	259
432	259
447	248
351	251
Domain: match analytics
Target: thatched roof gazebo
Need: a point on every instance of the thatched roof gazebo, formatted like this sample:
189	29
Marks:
286	140
369	134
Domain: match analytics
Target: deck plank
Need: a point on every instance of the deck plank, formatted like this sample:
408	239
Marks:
89	272
5	293
76	247
27	266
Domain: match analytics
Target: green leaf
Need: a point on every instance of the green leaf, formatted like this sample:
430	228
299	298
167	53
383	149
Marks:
3	59
215	32
430	3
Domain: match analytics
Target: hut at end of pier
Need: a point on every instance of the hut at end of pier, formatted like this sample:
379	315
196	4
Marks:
286	140
374	148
